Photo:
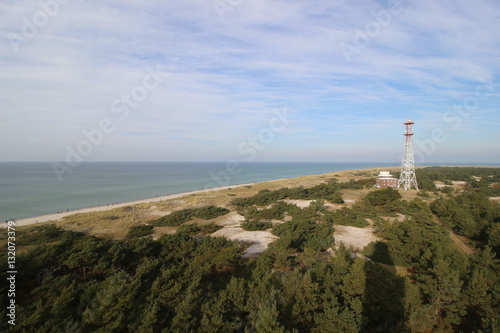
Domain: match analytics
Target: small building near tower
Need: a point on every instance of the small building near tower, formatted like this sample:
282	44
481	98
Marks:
385	179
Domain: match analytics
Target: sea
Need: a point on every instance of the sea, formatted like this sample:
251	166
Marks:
29	189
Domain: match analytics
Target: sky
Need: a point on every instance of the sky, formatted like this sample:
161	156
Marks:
249	80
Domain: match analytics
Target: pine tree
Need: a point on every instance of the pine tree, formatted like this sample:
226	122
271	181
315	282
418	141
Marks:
266	319
445	294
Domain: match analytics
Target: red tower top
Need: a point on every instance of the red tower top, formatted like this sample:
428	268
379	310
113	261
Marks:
409	131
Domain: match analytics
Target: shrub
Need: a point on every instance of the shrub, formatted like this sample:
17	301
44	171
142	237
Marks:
210	212
346	216
40	235
446	190
335	198
256	225
327	191
358	184
174	219
209	228
300	234
383	197
423	194
178	217
317	205
189	229
140	231
277	212
262	198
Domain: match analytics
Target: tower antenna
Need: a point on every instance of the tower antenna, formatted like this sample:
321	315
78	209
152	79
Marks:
407	177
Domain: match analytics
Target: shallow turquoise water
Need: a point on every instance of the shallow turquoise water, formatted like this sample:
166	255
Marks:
32	189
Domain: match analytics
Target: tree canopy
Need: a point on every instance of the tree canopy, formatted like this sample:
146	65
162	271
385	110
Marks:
413	279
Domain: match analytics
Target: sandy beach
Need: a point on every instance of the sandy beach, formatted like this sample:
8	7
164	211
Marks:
54	217
58	216
105	207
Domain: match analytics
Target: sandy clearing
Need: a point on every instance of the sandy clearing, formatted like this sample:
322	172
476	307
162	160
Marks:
331	206
260	239
299	203
154	211
158	213
439	184
354	237
393	219
232	219
232	230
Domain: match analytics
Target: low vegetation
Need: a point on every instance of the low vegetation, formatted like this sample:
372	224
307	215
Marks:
140	231
256	225
326	191
209	228
189	229
414	279
346	216
178	217
479	178
470	214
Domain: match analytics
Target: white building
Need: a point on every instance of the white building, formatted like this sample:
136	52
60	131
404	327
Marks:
385	179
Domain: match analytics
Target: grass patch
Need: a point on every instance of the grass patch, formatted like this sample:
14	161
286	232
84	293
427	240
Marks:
111	218
93	218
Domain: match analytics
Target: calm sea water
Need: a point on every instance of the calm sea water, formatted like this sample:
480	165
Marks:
32	189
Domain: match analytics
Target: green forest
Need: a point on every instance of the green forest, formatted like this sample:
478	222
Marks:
414	279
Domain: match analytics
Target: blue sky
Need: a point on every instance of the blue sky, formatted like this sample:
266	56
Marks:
343	75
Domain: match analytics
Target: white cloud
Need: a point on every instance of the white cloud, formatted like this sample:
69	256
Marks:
226	76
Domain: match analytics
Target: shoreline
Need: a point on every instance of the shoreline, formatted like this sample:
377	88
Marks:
54	217
58	216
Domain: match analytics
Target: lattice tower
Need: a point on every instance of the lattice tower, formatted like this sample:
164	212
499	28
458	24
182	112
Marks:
407	177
